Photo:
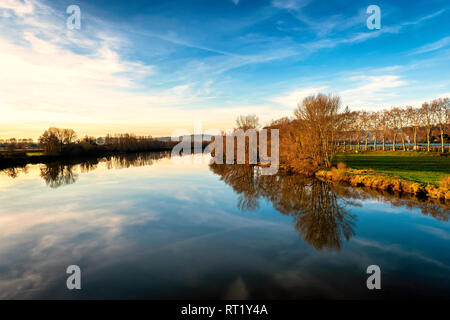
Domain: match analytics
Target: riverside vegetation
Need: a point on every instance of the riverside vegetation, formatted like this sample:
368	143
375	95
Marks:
319	136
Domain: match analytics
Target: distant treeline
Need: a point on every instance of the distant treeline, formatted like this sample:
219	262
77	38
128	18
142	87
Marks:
397	125
57	143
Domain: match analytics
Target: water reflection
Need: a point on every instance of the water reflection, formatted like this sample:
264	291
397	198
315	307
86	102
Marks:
15	171
319	209
131	230
60	173
320	217
56	174
432	207
134	159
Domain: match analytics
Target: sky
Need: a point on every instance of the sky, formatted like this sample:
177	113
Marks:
152	67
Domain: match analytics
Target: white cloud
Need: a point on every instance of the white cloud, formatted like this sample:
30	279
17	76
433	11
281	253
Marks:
437	232
433	46
368	92
44	80
372	93
429	16
290	100
290	4
19	8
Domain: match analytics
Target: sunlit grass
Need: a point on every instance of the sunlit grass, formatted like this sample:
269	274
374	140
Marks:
411	166
34	154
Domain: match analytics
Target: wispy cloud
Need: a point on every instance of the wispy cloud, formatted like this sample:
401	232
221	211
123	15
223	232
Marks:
363	91
393	248
424	18
437	232
19	8
290	4
165	72
291	99
374	91
444	42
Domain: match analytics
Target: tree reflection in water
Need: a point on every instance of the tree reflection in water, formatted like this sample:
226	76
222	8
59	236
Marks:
14	172
432	207
319	213
318	208
57	174
133	159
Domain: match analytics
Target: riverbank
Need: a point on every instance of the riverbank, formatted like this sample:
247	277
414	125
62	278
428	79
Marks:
420	174
30	158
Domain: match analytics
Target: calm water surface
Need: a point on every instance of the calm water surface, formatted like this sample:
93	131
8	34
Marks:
141	226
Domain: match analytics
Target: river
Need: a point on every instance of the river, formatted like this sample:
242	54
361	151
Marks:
144	226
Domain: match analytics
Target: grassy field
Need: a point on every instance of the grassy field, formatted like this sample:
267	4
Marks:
34	154
412	166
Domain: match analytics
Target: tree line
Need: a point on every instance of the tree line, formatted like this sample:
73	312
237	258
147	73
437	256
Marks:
64	141
57	141
397	125
13	144
320	128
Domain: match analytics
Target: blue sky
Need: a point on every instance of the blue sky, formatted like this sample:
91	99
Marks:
151	67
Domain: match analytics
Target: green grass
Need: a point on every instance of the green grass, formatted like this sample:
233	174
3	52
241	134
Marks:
412	166
32	154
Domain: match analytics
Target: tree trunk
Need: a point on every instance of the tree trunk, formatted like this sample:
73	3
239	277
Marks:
374	143
442	140
428	140
365	146
393	142
403	143
384	140
415	139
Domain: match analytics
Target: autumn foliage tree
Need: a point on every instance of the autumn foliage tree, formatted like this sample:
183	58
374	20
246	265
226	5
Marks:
308	142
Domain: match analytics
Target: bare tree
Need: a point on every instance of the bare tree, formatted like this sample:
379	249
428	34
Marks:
346	119
415	122
318	124
250	121
441	110
404	124
395	121
427	115
55	138
49	140
364	118
357	129
384	121
374	121
69	136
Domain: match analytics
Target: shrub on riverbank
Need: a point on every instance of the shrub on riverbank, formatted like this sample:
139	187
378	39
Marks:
445	182
339	173
381	182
